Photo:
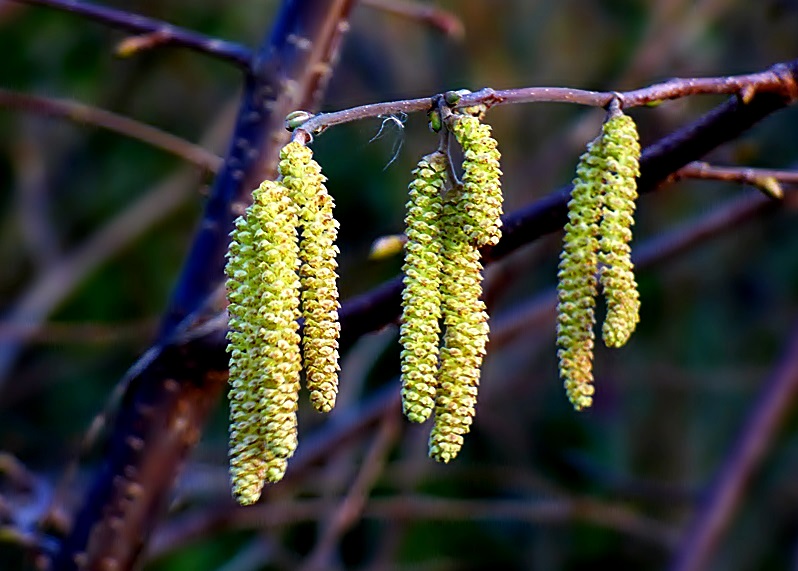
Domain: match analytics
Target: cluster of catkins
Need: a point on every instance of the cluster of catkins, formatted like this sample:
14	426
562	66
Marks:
447	223
281	268
596	251
281	265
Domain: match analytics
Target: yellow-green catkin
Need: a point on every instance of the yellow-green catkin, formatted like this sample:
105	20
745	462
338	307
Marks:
466	336
319	229
263	294
577	283
481	188
622	152
421	298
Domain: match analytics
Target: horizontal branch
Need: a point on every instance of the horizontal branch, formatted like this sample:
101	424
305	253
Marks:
555	511
779	79
237	54
82	113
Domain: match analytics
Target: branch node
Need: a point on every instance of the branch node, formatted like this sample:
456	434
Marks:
615	105
786	75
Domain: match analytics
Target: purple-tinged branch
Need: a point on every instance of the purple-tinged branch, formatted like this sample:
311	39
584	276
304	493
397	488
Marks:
779	79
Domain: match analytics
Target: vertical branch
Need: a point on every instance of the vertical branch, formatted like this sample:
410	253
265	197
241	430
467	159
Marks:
172	393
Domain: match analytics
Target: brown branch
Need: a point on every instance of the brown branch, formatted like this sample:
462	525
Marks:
779	79
82	113
769	181
77	333
744	458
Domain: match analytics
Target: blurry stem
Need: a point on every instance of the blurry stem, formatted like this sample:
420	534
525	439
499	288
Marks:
232	52
81	113
745	456
445	21
557	511
352	505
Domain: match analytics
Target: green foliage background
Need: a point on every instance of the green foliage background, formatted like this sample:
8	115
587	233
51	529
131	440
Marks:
668	406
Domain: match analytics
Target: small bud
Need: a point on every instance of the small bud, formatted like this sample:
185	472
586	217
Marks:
435	122
452	97
296	119
387	246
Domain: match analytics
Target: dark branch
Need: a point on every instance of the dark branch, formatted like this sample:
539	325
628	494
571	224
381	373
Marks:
170	396
168	34
289	72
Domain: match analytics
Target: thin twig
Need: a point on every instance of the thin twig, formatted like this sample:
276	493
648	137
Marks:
768	181
82	113
775	80
352	505
237	54
55	284
77	333
434	16
745	456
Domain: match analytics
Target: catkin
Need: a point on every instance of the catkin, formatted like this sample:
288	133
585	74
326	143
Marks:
617	279
466	321
421	298
597	235
302	176
263	291
481	188
576	290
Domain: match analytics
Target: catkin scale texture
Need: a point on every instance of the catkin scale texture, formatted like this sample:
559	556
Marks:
596	249
617	279
318	272
465	339
421	298
481	187
263	290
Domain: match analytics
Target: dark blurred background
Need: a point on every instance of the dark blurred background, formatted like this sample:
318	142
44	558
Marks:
94	227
